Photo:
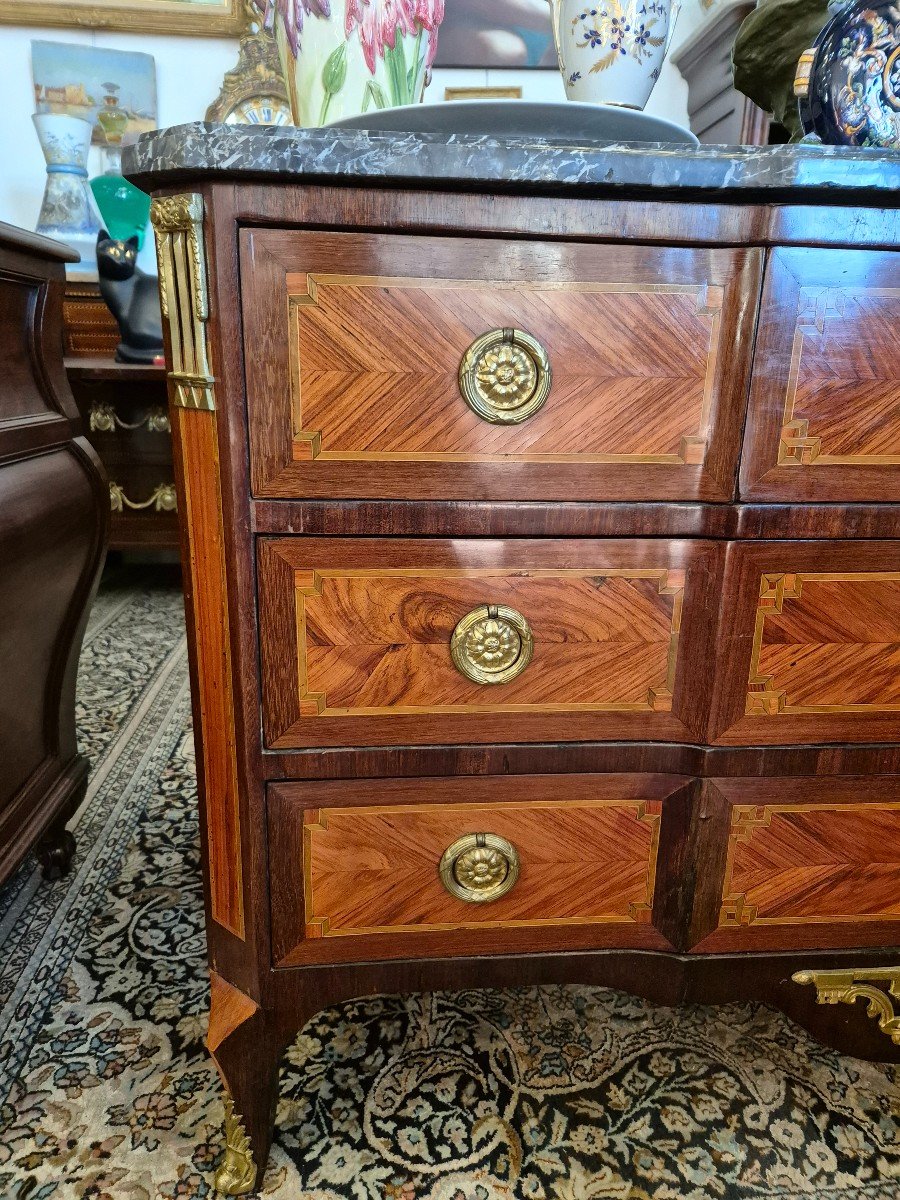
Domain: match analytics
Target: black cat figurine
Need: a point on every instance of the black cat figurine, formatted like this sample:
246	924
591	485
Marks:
133	299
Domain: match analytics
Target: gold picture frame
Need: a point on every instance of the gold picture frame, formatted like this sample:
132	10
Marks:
483	93
211	18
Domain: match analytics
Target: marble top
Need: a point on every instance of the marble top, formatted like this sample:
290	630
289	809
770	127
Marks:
775	173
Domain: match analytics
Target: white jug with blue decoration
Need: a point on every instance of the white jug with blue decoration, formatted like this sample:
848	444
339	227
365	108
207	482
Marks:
612	51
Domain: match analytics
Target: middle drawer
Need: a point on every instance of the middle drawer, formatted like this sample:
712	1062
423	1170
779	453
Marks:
376	641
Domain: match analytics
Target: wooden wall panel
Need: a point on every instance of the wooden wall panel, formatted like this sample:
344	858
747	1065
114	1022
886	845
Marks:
812	863
364	877
824	423
356	393
815	633
356	638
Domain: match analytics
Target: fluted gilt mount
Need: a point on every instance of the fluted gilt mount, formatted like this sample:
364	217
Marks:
184	296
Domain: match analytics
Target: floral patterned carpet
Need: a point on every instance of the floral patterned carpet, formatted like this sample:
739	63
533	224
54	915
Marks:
559	1093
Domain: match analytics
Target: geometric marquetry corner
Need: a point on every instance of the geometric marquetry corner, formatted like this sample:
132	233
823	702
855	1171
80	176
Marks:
373	871
819	427
376	641
352	400
846	987
745	821
825	643
773	591
796	446
812	864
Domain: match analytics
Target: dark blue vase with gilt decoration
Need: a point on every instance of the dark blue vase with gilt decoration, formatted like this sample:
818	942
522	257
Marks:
848	83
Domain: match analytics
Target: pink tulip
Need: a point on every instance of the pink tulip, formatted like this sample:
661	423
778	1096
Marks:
428	15
380	22
292	13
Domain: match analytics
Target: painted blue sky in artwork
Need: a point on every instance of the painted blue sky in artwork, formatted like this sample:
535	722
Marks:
62	64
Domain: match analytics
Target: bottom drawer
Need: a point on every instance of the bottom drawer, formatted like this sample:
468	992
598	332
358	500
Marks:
488	865
808	864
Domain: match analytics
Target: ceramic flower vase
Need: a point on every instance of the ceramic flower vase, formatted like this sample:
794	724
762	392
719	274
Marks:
612	51
345	57
67	212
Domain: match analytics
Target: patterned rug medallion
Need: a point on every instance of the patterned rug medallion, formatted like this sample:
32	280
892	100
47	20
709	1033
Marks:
557	1093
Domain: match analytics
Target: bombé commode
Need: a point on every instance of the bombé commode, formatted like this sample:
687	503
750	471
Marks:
536	532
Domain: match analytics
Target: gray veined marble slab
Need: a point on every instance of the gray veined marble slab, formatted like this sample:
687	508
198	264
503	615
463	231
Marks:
802	174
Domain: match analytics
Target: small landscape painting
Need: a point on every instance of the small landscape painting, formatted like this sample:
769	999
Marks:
113	89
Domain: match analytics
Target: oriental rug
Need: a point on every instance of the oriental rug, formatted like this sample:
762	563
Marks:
545	1093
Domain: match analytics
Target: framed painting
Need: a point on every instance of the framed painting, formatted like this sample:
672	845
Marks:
496	33
114	90
213	18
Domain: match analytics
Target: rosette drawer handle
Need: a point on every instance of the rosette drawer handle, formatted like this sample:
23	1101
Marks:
505	376
492	644
479	867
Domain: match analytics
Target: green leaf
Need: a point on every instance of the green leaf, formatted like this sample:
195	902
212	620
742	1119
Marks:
374	94
395	61
766	51
334	73
334	76
418	65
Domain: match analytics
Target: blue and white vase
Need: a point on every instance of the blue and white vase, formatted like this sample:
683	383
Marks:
612	51
68	212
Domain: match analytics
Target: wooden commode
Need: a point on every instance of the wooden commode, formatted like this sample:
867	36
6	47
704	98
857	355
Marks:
540	515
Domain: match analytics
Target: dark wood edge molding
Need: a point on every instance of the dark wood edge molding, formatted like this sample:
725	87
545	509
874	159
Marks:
658	976
471	518
699	762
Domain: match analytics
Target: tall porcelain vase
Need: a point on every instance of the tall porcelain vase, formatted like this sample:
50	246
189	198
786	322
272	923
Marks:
345	57
67	211
612	51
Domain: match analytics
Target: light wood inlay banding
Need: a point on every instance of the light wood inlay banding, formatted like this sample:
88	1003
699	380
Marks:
375	870
826	643
377	642
374	365
812	864
841	401
196	432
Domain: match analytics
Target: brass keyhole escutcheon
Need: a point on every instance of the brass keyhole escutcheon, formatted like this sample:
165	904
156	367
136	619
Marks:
492	644
479	867
505	376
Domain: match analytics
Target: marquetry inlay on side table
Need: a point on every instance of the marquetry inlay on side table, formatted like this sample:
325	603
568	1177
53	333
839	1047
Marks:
543	578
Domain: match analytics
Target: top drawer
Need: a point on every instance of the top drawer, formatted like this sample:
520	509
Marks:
390	367
824	419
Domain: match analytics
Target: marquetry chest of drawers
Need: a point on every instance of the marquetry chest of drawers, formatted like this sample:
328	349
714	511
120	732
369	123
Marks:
543	563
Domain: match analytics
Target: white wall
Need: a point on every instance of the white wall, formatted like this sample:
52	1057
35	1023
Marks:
189	75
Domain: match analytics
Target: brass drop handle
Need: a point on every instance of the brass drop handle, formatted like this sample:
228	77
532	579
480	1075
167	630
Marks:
163	499
505	376
492	644
479	867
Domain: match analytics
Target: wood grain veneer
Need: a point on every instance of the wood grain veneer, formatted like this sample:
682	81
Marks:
823	421
316	404
199	472
812	862
813	637
356	868
649	374
355	639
